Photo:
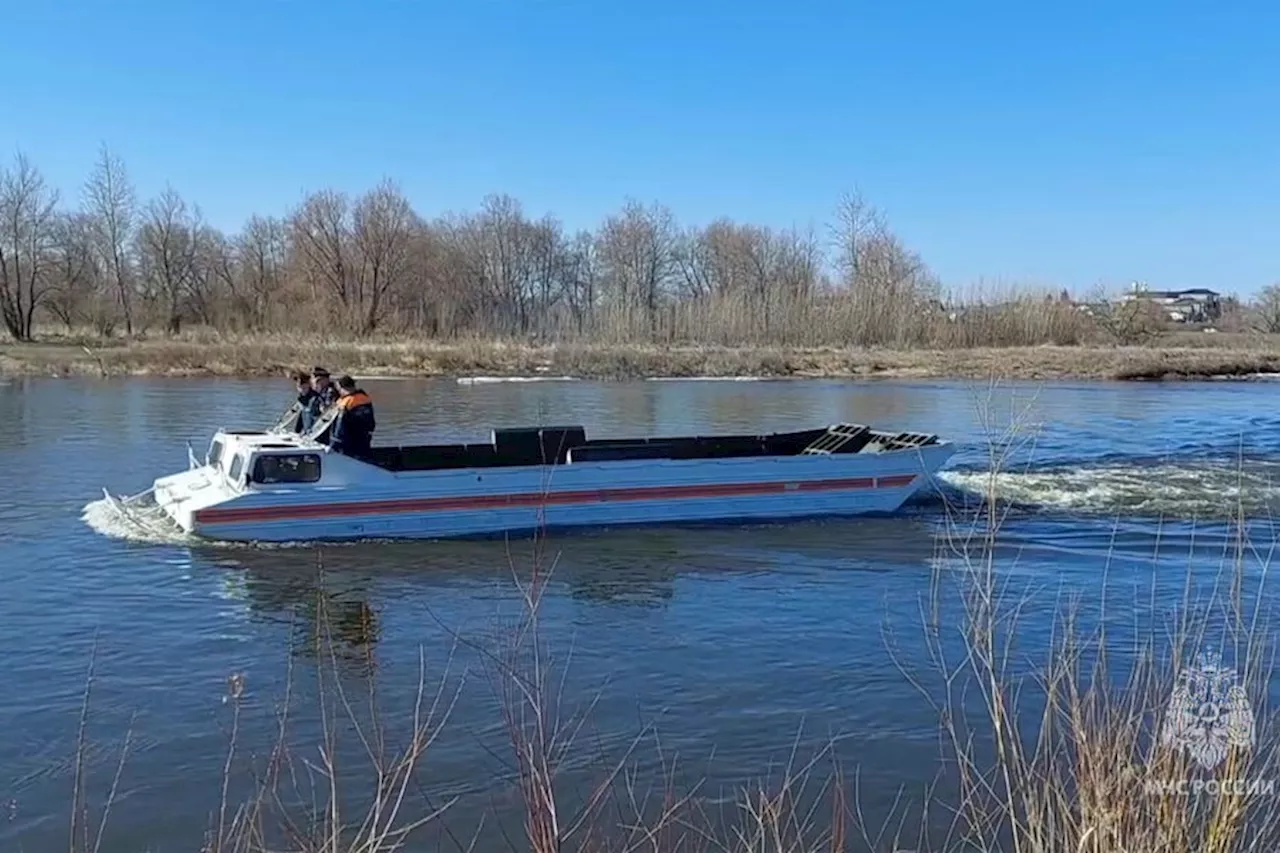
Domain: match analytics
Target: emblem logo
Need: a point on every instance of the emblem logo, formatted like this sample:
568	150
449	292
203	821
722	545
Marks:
1208	713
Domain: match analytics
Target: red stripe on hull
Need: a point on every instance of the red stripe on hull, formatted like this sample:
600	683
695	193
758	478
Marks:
639	493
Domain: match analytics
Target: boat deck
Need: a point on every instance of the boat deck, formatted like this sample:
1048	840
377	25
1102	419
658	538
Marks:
532	446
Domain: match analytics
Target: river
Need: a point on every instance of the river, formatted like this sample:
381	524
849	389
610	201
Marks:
735	645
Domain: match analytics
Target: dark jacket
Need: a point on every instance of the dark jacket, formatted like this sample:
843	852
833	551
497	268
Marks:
328	396
352	432
312	405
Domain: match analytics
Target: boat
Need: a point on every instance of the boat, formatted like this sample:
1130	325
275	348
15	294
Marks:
280	485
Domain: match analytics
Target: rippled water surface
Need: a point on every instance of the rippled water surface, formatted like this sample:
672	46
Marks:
728	641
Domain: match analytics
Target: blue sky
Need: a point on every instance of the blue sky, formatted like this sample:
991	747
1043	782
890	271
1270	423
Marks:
1051	144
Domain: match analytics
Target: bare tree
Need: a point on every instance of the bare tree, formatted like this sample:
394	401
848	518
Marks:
501	237
27	229
258	258
581	276
1267	309
507	262
321	237
1128	321
446	296
166	251
858	223
112	203
367	262
889	288
76	274
383	226
639	255
752	280
551	266
714	260
211	277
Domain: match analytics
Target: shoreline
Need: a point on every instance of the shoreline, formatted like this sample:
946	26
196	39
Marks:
496	360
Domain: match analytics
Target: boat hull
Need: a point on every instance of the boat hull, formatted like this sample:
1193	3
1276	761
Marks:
486	502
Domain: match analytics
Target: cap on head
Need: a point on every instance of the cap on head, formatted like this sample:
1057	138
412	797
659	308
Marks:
346	383
319	373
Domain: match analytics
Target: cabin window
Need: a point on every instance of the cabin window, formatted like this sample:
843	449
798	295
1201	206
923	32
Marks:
287	468
237	467
215	453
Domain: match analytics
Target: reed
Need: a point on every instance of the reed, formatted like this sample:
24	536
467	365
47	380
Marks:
302	798
1069	752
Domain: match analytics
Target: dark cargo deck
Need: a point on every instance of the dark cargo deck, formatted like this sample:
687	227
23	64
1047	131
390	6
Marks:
536	446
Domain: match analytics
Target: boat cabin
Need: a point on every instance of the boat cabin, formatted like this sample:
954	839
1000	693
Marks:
264	463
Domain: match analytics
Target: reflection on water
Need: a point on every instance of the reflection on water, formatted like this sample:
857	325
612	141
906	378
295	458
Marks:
330	613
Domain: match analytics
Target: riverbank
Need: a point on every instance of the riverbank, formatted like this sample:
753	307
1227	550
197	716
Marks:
1185	357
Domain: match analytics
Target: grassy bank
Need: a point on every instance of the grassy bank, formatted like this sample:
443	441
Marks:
1172	356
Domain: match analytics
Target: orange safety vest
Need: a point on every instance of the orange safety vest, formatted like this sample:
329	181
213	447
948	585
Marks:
356	398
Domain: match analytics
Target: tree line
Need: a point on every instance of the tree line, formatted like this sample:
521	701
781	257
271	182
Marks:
372	264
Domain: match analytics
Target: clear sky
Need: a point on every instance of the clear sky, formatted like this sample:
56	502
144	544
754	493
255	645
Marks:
1051	143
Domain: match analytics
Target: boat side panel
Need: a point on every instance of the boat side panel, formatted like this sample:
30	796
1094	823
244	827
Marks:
467	503
346	480
344	489
462	522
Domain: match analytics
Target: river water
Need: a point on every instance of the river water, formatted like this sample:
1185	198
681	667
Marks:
737	646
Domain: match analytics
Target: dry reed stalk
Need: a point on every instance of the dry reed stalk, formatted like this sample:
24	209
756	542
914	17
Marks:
1079	773
79	839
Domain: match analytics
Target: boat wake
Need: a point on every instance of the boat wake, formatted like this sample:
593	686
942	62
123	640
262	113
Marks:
1193	490
146	524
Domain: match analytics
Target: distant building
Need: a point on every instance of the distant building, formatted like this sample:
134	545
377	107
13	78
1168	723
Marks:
1195	305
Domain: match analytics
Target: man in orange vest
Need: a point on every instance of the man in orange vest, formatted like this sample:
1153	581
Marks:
352	432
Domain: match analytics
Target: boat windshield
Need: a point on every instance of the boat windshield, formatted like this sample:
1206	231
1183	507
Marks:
215	453
270	469
236	469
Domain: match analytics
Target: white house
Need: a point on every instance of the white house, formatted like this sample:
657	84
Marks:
1195	305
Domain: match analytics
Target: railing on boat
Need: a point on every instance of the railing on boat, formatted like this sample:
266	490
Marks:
289	420
287	423
322	424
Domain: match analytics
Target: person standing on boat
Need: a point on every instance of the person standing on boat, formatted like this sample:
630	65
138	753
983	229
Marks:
324	387
352	432
309	400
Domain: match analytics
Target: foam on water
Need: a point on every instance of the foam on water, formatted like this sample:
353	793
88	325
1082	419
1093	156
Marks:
1194	490
150	526
705	378
490	380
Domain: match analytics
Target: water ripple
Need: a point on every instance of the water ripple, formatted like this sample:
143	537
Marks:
731	640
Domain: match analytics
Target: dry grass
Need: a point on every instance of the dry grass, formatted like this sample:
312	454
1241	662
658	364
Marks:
1171	356
1070	752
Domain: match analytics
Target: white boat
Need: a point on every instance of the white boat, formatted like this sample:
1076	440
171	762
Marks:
281	486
